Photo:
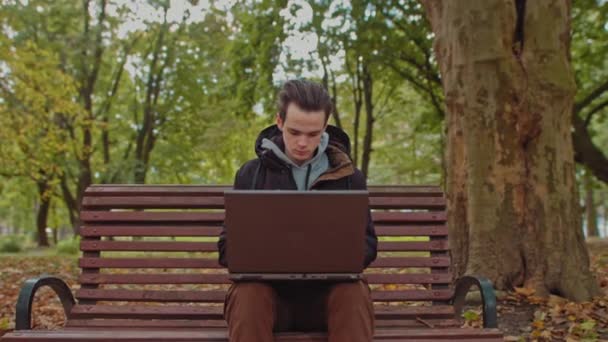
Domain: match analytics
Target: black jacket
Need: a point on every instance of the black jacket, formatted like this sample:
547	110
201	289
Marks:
271	173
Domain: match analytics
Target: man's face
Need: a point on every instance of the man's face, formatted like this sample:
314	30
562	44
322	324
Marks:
301	132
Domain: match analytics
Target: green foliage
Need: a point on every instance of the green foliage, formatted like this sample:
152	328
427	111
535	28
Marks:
391	42
68	246
16	197
471	316
587	330
36	96
411	152
254	53
11	244
4	323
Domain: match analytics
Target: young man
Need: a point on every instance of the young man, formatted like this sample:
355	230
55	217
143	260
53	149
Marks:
301	152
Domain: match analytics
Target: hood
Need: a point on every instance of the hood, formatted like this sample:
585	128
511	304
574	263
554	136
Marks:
337	138
270	145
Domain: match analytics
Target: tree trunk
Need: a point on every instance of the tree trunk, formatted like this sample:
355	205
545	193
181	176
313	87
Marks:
71	205
605	213
355	76
146	136
43	213
85	177
88	81
512	197
334	100
331	90
590	208
368	88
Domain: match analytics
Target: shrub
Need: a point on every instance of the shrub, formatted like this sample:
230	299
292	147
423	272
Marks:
69	246
11	244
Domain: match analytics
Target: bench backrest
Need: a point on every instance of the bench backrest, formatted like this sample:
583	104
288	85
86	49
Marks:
149	252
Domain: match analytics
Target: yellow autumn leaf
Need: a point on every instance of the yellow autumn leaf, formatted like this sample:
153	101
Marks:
538	324
525	291
390	287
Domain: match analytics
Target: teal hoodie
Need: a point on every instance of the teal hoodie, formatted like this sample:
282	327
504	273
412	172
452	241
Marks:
305	174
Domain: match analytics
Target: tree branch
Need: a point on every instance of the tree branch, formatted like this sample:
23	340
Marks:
105	108
69	200
409	78
586	152
92	77
380	111
84	52
594	110
590	97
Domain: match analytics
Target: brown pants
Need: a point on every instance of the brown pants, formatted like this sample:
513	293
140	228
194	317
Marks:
254	310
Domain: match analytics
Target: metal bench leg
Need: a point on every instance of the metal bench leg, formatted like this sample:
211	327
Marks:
23	316
488	298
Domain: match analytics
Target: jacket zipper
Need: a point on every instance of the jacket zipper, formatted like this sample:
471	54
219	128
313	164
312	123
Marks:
307	177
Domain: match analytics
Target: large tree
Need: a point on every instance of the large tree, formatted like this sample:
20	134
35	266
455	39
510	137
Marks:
34	95
509	91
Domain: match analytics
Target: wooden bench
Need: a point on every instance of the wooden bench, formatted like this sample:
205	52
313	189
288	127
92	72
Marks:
150	271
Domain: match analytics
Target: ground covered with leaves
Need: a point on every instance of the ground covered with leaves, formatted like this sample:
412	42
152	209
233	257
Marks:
523	316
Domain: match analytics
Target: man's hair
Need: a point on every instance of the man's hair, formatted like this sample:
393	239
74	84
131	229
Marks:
307	95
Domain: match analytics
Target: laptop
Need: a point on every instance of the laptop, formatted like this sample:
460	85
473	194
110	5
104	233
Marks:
276	235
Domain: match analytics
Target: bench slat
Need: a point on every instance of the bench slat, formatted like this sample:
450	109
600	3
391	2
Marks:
217	218
213	218
143	230
207	296
218	190
412	246
214	231
153	202
217	296
220	323
137	278
381	262
412	295
216	311
222	278
139	323
157	246
150	262
187	246
408	217
147	311
154	190
408	230
217	202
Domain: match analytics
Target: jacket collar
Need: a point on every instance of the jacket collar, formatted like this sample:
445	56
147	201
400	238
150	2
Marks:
338	152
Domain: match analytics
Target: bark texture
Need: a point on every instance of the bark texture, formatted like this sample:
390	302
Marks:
42	212
512	198
590	208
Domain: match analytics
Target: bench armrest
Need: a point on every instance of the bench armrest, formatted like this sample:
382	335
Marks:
23	316
488	298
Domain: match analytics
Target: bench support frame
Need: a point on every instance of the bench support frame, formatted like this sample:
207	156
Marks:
488	298
23	315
